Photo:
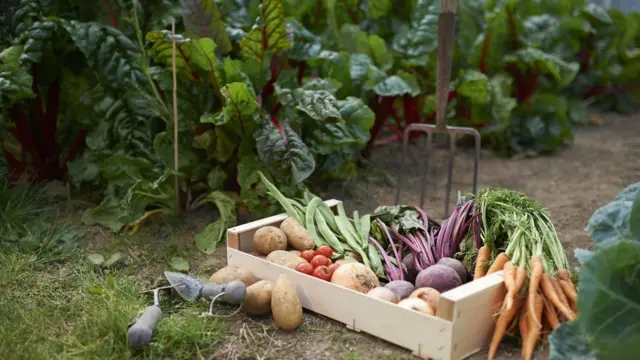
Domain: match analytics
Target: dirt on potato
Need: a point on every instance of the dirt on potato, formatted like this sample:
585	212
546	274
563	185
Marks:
571	184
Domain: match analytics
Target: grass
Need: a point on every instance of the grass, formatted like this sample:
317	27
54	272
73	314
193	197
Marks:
56	304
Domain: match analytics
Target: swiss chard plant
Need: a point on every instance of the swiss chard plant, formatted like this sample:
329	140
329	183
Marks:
608	287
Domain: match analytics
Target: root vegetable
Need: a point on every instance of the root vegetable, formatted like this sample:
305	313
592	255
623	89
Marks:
383	294
550	292
285	258
296	253
533	326
355	276
430	295
412	272
268	239
498	263
439	277
456	265
401	288
258	300
523	326
481	260
551	315
297	236
285	304
229	273
416	304
520	278
505	318
534	283
346	260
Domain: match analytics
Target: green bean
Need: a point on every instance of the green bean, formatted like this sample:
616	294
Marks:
348	223
343	226
280	198
300	209
365	228
376	261
310	213
329	216
329	236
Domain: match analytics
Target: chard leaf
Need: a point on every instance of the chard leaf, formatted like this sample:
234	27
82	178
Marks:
393	85
354	111
282	149
330	85
305	44
213	234
268	35
216	178
239	102
379	8
473	85
179	263
417	44
319	105
545	64
203	19
609	299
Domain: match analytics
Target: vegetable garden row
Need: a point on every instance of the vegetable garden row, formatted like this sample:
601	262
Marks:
297	89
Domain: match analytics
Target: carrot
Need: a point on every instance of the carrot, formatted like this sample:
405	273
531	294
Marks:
550	293
534	326
556	285
509	278
569	290
534	283
502	324
481	260
563	274
524	328
550	314
521	276
498	263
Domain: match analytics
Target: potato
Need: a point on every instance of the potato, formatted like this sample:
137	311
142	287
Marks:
295	252
268	239
285	304
230	273
285	258
258	300
297	236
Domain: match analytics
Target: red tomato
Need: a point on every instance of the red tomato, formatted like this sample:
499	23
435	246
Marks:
325	250
305	268
333	267
320	260
322	272
308	255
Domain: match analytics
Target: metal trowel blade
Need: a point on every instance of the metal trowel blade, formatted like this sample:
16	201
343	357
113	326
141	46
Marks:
186	286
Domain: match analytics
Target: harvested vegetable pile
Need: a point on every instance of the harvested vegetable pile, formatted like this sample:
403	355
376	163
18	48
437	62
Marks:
399	255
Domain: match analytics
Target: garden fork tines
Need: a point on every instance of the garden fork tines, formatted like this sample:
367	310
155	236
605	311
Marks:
446	22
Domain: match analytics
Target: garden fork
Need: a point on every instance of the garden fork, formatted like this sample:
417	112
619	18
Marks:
446	23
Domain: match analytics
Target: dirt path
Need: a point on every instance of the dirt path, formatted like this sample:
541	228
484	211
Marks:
571	184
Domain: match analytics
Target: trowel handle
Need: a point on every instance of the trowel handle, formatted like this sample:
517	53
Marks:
210	291
140	333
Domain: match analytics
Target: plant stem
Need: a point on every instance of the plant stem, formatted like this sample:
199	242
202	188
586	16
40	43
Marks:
175	114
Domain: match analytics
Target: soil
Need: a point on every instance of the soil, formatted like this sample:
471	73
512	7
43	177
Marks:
571	183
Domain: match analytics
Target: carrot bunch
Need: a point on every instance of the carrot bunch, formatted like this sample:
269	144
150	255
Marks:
536	307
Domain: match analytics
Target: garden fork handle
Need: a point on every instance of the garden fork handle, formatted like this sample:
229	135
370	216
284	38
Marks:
446	22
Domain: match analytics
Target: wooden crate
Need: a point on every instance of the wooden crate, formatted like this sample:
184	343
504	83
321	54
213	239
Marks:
464	323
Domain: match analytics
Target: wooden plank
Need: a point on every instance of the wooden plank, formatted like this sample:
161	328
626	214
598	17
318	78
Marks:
427	336
241	237
474	310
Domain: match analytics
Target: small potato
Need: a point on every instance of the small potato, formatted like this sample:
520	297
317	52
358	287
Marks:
285	304
257	254
258	300
295	252
268	239
229	273
285	258
297	236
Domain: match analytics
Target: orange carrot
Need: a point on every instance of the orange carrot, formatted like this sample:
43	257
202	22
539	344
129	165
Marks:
502	324
550	293
534	326
556	285
509	278
498	263
523	325
521	276
550	314
481	260
569	290
563	274
534	283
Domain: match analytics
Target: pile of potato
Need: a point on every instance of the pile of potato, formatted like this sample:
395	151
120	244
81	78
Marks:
271	243
264	296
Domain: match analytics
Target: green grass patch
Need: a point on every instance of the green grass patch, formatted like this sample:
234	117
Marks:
62	311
